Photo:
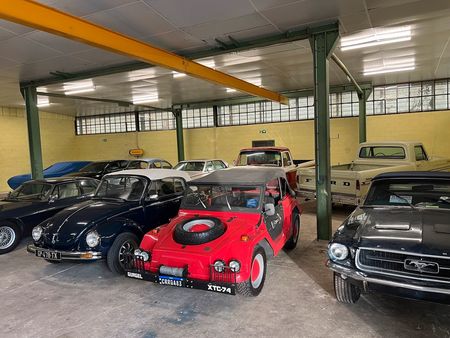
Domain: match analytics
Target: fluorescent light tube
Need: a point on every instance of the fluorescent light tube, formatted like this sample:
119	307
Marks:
79	91
231	90
376	37
177	74
145	99
387	70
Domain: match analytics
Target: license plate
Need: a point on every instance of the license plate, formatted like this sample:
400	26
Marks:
52	255
173	281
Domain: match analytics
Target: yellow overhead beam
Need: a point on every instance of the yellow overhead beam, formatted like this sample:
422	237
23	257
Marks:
44	18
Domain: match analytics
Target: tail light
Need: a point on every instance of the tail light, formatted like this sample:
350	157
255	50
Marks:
358	185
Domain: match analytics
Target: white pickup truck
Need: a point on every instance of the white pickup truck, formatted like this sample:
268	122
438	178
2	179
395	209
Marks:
350	182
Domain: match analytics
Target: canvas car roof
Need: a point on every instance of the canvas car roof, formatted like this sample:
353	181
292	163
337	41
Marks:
153	174
248	175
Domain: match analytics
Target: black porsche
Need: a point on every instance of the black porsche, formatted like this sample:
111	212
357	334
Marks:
34	201
398	241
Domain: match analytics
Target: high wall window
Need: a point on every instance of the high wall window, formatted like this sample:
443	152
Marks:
156	120
389	99
198	117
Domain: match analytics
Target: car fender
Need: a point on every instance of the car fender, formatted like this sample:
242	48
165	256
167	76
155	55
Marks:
110	229
18	222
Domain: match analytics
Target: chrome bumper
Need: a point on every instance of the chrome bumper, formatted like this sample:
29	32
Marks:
70	255
361	276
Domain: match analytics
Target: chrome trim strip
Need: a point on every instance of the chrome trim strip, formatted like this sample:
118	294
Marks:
403	252
363	277
399	274
68	255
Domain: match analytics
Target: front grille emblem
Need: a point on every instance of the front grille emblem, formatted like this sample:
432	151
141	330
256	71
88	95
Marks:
421	266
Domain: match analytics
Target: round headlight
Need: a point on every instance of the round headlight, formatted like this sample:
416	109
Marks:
219	266
337	252
36	233
235	266
145	256
92	239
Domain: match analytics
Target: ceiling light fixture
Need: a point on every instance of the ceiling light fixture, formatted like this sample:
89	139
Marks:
177	74
145	99
43	101
376	37
78	87
231	90
208	63
401	65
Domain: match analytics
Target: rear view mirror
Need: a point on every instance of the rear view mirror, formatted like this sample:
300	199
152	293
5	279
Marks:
269	209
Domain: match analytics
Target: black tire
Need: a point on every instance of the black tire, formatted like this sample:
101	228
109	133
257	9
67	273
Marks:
182	236
291	243
250	288
345	291
121	250
10	236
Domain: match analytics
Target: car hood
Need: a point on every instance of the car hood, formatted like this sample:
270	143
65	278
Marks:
71	223
426	230
235	228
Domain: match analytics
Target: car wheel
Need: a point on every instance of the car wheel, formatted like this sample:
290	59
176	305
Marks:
9	236
253	286
345	291
291	244
121	251
198	230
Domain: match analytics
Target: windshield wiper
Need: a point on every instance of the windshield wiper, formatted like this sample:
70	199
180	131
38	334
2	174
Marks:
200	200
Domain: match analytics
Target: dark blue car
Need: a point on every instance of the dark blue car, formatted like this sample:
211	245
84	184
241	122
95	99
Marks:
35	201
56	170
126	205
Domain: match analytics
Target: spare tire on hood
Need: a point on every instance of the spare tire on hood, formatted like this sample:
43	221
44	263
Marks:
198	230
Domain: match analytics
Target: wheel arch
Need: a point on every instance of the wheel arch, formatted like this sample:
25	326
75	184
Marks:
268	250
17	222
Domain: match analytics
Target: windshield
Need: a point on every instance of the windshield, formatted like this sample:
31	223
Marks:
32	191
128	188
430	193
190	166
219	197
94	167
267	158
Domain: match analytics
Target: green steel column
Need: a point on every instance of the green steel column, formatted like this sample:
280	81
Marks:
322	45
362	98
179	125
34	137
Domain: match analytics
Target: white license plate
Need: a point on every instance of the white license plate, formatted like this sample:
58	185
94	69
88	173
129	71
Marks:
51	255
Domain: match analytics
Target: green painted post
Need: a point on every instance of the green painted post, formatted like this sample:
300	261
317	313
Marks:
179	125
362	99
322	45
34	137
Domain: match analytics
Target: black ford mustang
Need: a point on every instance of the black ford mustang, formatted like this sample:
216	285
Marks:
398	241
126	205
34	201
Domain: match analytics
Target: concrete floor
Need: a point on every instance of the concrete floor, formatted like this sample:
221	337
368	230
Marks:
39	299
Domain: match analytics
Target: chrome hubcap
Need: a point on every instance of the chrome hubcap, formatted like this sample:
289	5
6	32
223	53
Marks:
7	237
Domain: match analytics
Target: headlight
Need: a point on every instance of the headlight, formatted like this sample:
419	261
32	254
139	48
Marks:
36	233
92	239
144	255
219	266
235	266
337	252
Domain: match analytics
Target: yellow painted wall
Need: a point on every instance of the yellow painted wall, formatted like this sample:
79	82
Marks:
57	139
59	142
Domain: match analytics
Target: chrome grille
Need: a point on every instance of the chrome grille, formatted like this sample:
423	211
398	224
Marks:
403	264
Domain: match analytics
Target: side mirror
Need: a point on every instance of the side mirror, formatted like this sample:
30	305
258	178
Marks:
151	198
269	209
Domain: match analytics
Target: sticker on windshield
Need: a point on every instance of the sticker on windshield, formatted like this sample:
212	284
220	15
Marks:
400	199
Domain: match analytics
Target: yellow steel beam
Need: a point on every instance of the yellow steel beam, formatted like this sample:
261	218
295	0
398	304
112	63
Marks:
44	18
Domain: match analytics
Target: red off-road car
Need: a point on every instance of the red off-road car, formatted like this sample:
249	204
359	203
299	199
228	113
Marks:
229	223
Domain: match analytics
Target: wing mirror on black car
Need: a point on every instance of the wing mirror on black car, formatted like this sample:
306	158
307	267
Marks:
53	198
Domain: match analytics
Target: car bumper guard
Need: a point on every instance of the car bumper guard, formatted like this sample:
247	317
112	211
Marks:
65	255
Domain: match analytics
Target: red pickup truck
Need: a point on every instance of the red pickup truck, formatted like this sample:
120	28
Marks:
272	157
